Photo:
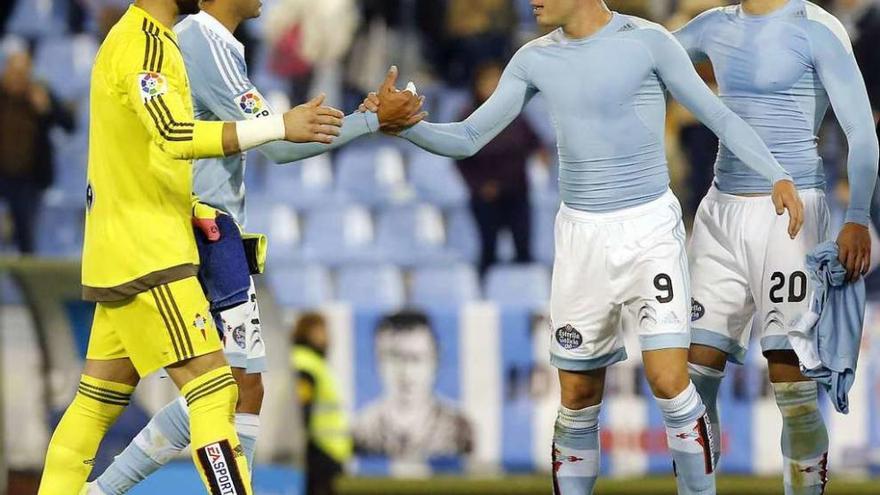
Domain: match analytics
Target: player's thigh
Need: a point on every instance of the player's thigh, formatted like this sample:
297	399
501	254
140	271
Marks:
584	314
781	277
783	367
721	300
167	324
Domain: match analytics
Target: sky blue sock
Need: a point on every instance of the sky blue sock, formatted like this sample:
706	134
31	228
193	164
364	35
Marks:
576	450
248	428
162	439
707	380
804	438
689	436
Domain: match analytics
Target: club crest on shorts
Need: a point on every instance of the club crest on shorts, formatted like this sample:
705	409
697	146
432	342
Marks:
200	323
238	335
152	84
697	310
569	337
252	104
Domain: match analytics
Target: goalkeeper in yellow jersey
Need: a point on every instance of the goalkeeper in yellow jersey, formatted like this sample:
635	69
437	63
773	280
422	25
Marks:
140	257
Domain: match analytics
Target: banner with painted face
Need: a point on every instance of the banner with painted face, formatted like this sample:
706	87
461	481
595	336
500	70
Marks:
471	390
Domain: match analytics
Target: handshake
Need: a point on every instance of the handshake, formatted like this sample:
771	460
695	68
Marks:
396	110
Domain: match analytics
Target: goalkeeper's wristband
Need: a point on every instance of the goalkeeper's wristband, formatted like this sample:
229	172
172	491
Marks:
253	133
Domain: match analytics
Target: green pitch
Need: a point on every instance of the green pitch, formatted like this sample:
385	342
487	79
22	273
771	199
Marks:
540	485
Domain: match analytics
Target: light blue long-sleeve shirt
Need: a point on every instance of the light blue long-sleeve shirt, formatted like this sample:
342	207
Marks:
606	97
221	90
778	72
828	338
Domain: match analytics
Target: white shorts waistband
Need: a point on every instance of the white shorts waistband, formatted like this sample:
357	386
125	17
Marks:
663	202
722	197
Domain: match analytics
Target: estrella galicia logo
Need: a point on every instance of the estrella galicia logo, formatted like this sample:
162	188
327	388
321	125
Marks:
697	310
569	337
90	196
238	335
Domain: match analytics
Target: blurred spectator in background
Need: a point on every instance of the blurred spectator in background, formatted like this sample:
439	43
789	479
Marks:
27	113
477	32
303	34
496	177
866	46
329	444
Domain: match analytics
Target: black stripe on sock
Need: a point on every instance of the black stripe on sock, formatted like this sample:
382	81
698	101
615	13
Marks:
218	462
105	392
191	399
183	327
207	384
99	398
703	432
167	324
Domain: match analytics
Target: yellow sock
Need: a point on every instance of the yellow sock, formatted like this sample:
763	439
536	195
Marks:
216	450
71	452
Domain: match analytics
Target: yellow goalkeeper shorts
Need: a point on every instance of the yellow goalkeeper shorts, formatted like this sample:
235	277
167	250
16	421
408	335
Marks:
156	328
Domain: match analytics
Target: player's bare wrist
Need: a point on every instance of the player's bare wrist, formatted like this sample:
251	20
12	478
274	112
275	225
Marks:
253	133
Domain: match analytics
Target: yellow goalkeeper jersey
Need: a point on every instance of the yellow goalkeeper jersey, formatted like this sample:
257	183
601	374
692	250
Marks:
142	138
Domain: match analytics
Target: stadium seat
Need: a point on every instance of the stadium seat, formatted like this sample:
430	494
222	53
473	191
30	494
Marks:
70	164
543	223
436	180
371	286
338	235
526	286
300	286
38	19
281	224
463	236
444	286
303	185
446	104
59	231
65	64
412	235
372	175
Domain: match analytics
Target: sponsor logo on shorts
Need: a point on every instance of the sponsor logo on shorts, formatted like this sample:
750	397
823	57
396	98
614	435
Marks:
569	337
152	84
697	310
238	335
671	319
218	462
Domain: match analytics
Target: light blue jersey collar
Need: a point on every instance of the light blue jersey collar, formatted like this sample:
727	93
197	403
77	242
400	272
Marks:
211	23
781	11
616	20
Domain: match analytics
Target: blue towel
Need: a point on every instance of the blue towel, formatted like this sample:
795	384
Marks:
827	339
223	270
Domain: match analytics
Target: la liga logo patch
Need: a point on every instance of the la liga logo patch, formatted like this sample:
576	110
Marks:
152	84
252	104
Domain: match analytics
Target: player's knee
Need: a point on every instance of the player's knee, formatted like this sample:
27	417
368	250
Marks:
580	391
667	383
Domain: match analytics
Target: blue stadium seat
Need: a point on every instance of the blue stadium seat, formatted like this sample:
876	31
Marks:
436	180
526	286
303	185
338	235
444	286
372	286
412	235
372	175
70	166
66	64
446	104
463	236
280	223
59	231
300	286
38	19
543	240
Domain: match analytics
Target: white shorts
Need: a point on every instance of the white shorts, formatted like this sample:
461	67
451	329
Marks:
744	264
242	338
607	264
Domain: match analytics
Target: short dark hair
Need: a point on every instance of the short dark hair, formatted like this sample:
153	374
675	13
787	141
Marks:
405	321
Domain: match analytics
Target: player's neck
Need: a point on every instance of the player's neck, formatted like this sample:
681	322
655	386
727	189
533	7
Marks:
226	16
587	20
762	7
164	11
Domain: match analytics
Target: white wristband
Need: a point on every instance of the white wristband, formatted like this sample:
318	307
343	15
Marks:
253	133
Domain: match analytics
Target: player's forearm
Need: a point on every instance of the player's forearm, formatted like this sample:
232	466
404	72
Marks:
862	165
354	126
456	140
